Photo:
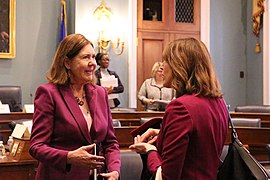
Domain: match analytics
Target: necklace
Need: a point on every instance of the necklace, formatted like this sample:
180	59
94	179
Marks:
80	101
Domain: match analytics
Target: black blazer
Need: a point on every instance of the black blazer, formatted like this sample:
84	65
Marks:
118	89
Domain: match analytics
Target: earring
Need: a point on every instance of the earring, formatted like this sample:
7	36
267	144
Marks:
68	73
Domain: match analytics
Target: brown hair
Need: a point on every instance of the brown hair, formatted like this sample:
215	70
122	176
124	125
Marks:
69	47
192	68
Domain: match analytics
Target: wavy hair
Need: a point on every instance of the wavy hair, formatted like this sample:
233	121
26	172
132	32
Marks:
192	68
69	47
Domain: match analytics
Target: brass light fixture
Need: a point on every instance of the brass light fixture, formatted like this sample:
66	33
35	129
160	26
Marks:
103	15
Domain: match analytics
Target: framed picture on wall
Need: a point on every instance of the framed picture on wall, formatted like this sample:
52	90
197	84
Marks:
7	29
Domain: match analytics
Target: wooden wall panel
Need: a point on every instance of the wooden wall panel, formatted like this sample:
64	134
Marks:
177	35
150	47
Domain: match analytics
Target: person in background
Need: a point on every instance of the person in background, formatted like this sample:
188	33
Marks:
72	117
152	90
194	127
4	40
103	61
4	27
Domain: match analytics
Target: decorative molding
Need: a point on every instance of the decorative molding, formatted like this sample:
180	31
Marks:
266	49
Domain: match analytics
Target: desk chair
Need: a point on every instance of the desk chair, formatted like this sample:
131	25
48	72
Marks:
246	122
253	108
131	165
145	119
11	95
116	123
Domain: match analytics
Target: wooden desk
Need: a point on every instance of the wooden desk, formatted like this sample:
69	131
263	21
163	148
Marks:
133	118
17	170
256	139
129	120
15	116
126	118
123	136
5	119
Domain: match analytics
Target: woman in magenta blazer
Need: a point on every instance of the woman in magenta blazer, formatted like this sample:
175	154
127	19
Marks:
194	127
72	117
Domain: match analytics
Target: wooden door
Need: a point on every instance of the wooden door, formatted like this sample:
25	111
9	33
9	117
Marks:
150	47
184	15
176	19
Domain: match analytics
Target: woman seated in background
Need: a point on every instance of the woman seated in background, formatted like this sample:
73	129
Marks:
153	90
103	61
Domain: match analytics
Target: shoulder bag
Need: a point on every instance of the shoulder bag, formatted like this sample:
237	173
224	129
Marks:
239	164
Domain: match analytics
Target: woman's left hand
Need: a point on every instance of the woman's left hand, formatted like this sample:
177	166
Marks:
142	148
111	175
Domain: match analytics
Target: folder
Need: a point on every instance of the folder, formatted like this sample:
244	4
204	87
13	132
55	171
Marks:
152	123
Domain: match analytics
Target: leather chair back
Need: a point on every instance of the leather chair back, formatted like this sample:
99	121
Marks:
253	108
116	123
11	95
247	122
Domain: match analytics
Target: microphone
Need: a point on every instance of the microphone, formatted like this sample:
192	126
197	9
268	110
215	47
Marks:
12	125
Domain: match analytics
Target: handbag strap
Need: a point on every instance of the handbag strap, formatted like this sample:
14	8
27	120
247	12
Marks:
234	135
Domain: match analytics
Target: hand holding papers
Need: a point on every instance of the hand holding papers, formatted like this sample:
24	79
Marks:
162	101
108	82
161	104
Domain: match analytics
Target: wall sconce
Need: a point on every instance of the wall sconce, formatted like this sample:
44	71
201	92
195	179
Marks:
103	15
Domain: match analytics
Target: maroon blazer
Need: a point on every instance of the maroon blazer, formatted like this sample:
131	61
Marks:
191	139
59	126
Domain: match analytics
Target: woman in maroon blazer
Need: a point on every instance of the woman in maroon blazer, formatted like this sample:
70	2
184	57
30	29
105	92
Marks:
194	126
72	116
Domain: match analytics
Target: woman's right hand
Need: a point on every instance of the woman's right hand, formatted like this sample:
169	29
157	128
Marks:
148	101
109	89
150	136
83	157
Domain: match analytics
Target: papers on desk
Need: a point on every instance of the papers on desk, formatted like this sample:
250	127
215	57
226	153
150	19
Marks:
21	131
4	108
28	108
110	81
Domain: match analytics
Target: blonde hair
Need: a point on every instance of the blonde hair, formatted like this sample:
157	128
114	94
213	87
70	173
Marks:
155	68
192	68
69	47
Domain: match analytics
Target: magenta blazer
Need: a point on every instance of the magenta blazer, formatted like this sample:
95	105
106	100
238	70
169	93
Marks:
191	139
59	126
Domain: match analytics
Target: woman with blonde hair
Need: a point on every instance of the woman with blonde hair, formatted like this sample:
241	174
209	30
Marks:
194	127
152	90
